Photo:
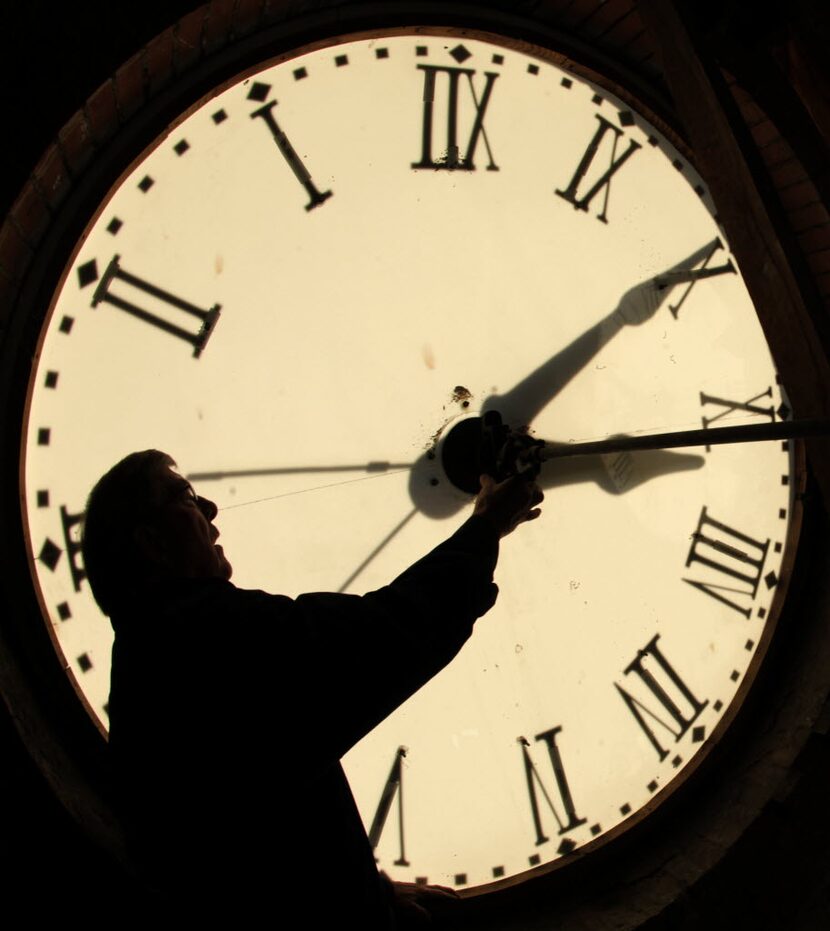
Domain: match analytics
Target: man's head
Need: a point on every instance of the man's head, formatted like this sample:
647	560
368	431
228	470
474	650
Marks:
144	523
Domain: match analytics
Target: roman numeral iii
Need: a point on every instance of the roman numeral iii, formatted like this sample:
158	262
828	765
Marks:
73	547
50	553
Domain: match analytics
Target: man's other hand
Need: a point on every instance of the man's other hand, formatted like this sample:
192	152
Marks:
509	503
418	906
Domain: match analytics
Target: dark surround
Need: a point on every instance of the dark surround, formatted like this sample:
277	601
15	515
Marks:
53	57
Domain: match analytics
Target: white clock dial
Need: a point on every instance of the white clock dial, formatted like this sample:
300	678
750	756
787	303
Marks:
299	292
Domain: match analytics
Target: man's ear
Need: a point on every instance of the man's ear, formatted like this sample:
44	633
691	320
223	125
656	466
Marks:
150	543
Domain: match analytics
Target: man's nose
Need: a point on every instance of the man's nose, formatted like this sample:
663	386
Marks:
209	509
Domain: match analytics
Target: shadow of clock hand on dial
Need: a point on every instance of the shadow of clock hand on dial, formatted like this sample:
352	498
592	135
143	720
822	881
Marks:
523	402
617	474
374	466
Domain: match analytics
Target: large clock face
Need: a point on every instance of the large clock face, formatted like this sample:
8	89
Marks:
304	287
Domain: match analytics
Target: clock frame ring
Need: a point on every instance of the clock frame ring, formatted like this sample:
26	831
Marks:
23	655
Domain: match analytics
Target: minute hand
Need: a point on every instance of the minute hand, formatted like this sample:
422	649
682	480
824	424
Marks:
640	303
751	433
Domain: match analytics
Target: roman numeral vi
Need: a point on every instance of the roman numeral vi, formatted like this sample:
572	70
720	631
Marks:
568	819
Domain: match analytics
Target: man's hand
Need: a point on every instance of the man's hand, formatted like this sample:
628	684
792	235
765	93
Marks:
509	503
422	906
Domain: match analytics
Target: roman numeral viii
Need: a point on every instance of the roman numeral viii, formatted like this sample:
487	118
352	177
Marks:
733	558
568	819
392	788
452	158
664	701
576	193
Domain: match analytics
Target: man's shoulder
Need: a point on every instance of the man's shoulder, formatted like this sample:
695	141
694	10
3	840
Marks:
180	598
208	622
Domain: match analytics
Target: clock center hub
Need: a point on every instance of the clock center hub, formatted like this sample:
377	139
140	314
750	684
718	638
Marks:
463	454
466	447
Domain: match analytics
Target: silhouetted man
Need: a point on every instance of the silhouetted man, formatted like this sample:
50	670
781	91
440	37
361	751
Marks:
230	709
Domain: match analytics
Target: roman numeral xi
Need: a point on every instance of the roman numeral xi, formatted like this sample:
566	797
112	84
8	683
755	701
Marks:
580	191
